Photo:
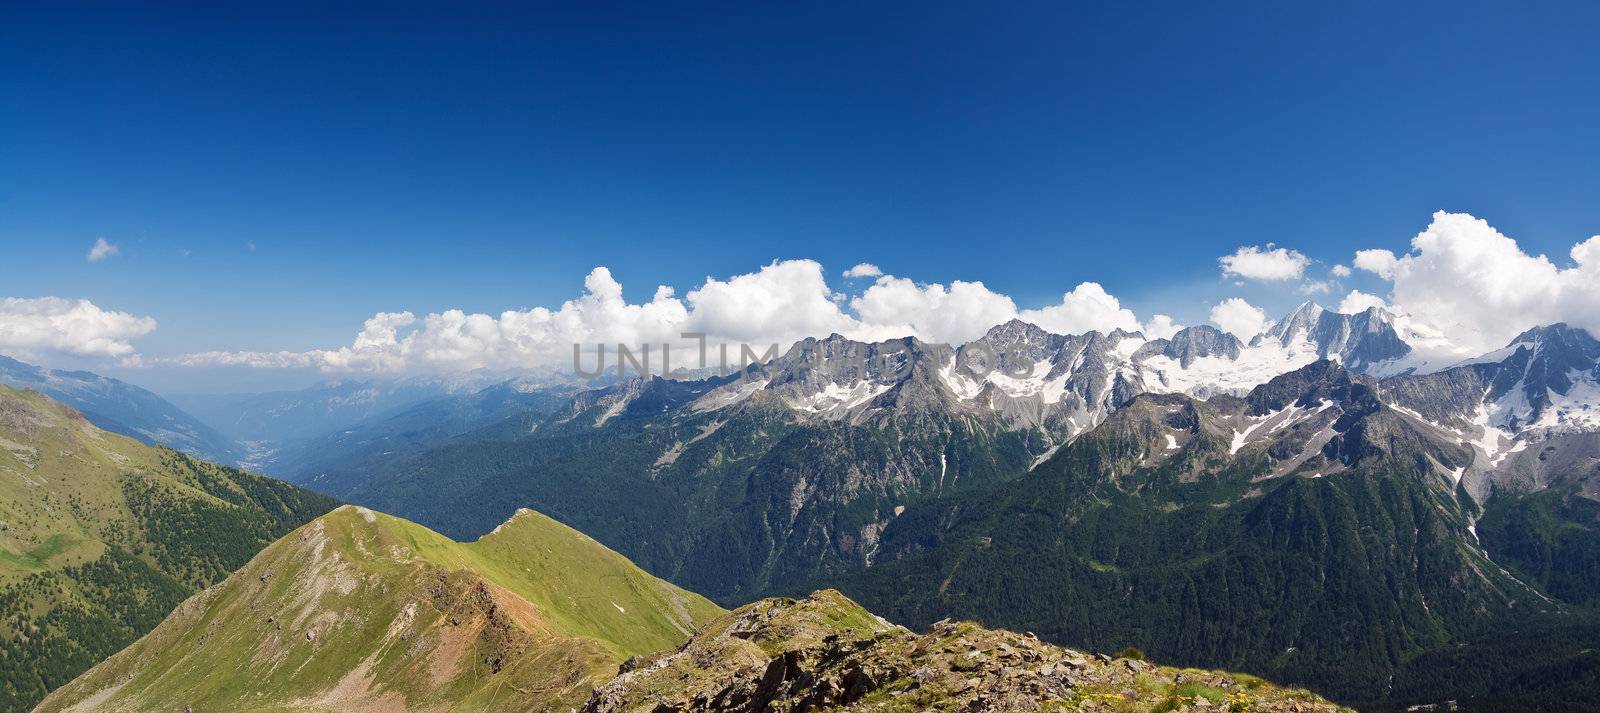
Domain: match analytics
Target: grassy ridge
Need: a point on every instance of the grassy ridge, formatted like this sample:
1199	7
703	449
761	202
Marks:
362	610
101	536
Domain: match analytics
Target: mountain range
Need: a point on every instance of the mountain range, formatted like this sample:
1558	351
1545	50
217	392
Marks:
265	424
1329	503
789	470
120	407
1309	531
228	591
917	475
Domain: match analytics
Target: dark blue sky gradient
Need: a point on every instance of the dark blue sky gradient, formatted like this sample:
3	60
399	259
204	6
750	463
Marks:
382	157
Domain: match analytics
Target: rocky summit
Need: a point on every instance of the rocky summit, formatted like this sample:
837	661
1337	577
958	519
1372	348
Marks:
825	652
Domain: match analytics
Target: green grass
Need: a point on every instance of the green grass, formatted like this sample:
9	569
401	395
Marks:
103	535
582	587
363	604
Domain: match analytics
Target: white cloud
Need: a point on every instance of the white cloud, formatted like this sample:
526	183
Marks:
1464	279
1357	302
258	360
1161	327
102	250
776	305
1087	307
1239	317
1264	263
896	306
864	269
1377	262
46	326
1462	287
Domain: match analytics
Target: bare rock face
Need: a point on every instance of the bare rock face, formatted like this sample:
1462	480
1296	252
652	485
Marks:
825	652
1191	343
1356	340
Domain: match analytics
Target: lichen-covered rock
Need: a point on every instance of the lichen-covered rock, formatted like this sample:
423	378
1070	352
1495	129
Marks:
825	652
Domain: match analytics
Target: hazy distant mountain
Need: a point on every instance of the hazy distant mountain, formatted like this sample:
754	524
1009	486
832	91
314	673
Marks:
276	416
267	422
120	407
410	428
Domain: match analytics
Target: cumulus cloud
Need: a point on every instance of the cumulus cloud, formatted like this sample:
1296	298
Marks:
1357	302
1377	262
1239	317
1264	263
1463	287
454	340
258	360
864	269
1465	279
963	311
1087	307
46	326
102	250
1161	327
896	306
780	303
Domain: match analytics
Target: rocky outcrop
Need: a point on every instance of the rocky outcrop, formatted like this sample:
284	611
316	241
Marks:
825	652
1357	340
1191	343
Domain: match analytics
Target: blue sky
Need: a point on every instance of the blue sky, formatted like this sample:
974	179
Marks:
275	175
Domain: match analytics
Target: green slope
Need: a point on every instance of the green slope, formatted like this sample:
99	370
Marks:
363	611
101	536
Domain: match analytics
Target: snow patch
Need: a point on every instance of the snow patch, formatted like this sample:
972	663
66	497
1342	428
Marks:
1240	438
964	388
1210	375
835	397
729	394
